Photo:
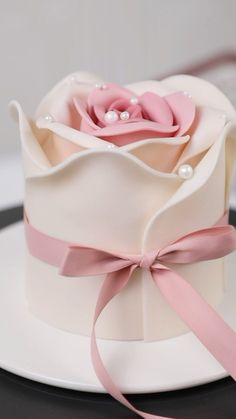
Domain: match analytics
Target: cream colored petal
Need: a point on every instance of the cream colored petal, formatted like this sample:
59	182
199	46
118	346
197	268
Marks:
34	157
208	125
41	149
74	84
198	203
70	134
161	154
52	144
102	199
62	137
203	93
97	198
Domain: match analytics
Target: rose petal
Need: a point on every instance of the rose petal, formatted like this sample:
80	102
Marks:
143	125
107	95
156	108
202	91
135	111
119	105
206	129
160	154
57	100
183	110
99	112
81	108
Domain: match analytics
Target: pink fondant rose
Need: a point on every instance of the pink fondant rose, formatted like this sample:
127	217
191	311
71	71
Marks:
154	121
115	114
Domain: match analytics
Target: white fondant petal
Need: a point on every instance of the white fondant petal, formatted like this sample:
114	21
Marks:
35	158
203	93
65	89
98	200
67	133
199	202
161	154
207	127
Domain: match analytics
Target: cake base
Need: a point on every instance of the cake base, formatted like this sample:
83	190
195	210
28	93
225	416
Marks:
34	350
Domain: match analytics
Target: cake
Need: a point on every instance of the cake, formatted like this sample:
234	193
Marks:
120	181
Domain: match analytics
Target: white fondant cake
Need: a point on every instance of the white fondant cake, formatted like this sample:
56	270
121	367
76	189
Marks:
126	170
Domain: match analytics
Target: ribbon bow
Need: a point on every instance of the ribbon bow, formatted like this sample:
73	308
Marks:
200	317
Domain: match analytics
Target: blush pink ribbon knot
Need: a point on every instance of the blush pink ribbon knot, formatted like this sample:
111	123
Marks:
200	317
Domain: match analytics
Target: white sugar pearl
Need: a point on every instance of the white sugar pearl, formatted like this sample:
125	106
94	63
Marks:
111	116
48	118
185	171
72	79
44	120
111	146
134	100
124	116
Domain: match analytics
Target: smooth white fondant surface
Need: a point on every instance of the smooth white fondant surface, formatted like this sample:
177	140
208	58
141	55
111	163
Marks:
115	199
11	168
52	356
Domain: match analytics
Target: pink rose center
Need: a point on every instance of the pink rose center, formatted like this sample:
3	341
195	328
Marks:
121	111
115	111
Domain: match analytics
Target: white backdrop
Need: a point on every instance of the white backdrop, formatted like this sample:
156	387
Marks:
122	40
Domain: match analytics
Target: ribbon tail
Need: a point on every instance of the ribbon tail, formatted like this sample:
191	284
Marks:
215	334
113	285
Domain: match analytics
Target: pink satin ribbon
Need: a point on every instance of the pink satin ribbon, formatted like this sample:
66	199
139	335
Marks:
201	318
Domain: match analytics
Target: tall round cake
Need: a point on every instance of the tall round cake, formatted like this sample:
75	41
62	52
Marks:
121	178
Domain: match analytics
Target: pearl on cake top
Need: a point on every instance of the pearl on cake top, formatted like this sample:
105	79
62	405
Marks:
111	116
44	119
124	116
185	171
72	78
134	100
48	117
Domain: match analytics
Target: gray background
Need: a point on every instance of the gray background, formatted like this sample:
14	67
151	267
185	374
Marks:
41	41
